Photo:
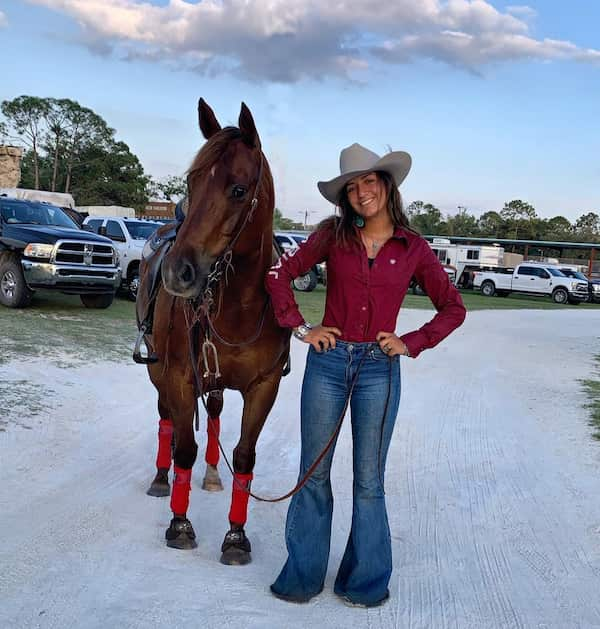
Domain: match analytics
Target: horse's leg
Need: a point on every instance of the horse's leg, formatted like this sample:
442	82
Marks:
258	401
160	485
180	533
212	482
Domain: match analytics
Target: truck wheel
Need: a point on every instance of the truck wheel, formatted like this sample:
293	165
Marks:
560	296
14	291
97	301
488	289
306	282
417	290
133	284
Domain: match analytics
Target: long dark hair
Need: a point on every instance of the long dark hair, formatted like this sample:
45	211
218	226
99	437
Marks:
342	226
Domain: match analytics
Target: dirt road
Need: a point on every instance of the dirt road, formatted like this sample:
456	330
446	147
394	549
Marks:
492	487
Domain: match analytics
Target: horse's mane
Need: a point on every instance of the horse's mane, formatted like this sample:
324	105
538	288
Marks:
213	148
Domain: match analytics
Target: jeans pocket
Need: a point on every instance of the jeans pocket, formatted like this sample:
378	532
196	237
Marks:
376	353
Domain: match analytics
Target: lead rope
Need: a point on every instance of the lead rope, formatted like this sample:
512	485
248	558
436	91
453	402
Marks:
300	484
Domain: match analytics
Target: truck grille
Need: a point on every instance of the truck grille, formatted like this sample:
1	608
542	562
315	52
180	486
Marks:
84	253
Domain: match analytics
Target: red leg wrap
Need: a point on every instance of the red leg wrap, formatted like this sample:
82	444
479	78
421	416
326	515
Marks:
180	496
212	446
239	499
165	434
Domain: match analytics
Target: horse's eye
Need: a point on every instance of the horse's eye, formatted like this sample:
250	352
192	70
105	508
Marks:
237	192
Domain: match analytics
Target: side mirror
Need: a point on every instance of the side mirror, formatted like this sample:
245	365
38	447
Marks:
102	230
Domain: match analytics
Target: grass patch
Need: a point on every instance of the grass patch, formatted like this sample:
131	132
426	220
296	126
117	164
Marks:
592	390
59	328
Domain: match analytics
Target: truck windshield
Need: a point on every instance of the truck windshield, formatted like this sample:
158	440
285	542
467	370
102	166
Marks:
34	213
578	275
141	230
556	272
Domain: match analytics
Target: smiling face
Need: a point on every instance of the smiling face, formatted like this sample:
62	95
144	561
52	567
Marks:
367	195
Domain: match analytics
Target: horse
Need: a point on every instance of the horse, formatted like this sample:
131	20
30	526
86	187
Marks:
213	324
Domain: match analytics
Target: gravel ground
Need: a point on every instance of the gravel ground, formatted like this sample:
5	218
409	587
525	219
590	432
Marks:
491	487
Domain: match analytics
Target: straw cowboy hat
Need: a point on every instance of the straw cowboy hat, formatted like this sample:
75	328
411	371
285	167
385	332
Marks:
356	160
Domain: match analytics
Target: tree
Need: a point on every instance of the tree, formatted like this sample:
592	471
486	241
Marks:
490	224
57	122
587	227
26	117
170	188
110	176
517	214
425	217
462	224
86	130
558	228
282	222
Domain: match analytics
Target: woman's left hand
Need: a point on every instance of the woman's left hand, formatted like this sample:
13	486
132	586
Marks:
390	344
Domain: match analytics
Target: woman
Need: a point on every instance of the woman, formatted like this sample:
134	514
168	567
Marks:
371	256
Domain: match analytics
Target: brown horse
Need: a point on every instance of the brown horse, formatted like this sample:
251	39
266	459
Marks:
214	326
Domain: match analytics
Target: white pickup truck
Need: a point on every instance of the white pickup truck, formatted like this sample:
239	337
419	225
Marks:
534	279
129	236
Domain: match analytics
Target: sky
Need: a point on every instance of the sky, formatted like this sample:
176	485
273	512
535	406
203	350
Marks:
494	100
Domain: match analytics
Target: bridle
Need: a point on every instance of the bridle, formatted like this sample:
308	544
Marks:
199	312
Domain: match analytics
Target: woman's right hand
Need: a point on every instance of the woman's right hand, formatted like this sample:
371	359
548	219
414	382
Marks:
322	337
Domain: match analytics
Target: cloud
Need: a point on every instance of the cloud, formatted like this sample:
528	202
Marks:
3	20
286	41
522	10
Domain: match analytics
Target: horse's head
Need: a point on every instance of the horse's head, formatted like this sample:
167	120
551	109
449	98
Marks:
230	193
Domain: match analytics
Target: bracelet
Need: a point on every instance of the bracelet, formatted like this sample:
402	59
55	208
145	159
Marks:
302	330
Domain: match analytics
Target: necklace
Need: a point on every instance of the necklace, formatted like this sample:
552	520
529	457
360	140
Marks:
373	245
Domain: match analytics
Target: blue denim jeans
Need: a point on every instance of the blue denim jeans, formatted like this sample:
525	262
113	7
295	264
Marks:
366	566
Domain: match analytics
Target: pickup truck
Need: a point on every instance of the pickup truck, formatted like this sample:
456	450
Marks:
41	247
128	236
532	278
289	241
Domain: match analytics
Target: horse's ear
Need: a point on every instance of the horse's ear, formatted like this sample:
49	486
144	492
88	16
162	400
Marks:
207	120
248	128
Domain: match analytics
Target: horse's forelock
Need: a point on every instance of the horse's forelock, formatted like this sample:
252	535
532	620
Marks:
213	149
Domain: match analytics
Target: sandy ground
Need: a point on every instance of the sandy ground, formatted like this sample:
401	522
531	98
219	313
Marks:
492	490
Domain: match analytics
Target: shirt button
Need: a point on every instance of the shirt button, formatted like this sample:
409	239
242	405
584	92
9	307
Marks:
364	308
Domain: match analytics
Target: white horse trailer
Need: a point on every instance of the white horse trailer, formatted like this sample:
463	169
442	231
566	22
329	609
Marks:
465	259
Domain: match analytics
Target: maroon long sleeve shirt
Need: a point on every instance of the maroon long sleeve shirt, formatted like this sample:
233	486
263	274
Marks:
363	300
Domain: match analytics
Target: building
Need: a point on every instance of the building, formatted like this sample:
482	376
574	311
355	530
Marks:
159	210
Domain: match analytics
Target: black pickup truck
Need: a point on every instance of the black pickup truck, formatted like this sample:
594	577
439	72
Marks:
41	247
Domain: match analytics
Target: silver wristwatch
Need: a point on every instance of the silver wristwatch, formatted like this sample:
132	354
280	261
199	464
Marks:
302	330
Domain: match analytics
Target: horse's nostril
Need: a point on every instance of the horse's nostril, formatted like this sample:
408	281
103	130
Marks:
186	273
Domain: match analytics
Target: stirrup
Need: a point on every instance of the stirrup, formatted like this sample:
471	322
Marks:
137	355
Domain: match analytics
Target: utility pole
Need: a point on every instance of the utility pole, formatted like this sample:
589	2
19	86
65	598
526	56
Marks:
305	217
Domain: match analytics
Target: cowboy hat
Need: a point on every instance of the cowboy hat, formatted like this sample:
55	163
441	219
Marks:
356	160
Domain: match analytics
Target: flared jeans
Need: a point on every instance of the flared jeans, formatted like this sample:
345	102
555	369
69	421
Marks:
366	566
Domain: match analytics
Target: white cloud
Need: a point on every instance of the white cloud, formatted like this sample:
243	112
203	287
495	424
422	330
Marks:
289	40
3	20
522	11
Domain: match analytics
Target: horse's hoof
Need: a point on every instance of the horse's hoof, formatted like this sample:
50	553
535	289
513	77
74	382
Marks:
212	481
159	490
180	534
236	548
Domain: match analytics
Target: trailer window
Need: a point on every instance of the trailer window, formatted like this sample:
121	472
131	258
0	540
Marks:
473	254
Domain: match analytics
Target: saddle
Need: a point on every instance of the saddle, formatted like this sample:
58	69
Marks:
155	249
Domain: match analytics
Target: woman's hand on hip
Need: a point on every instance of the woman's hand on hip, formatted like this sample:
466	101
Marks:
391	345
322	337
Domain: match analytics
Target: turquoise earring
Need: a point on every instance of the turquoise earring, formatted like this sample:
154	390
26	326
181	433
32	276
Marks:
359	221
